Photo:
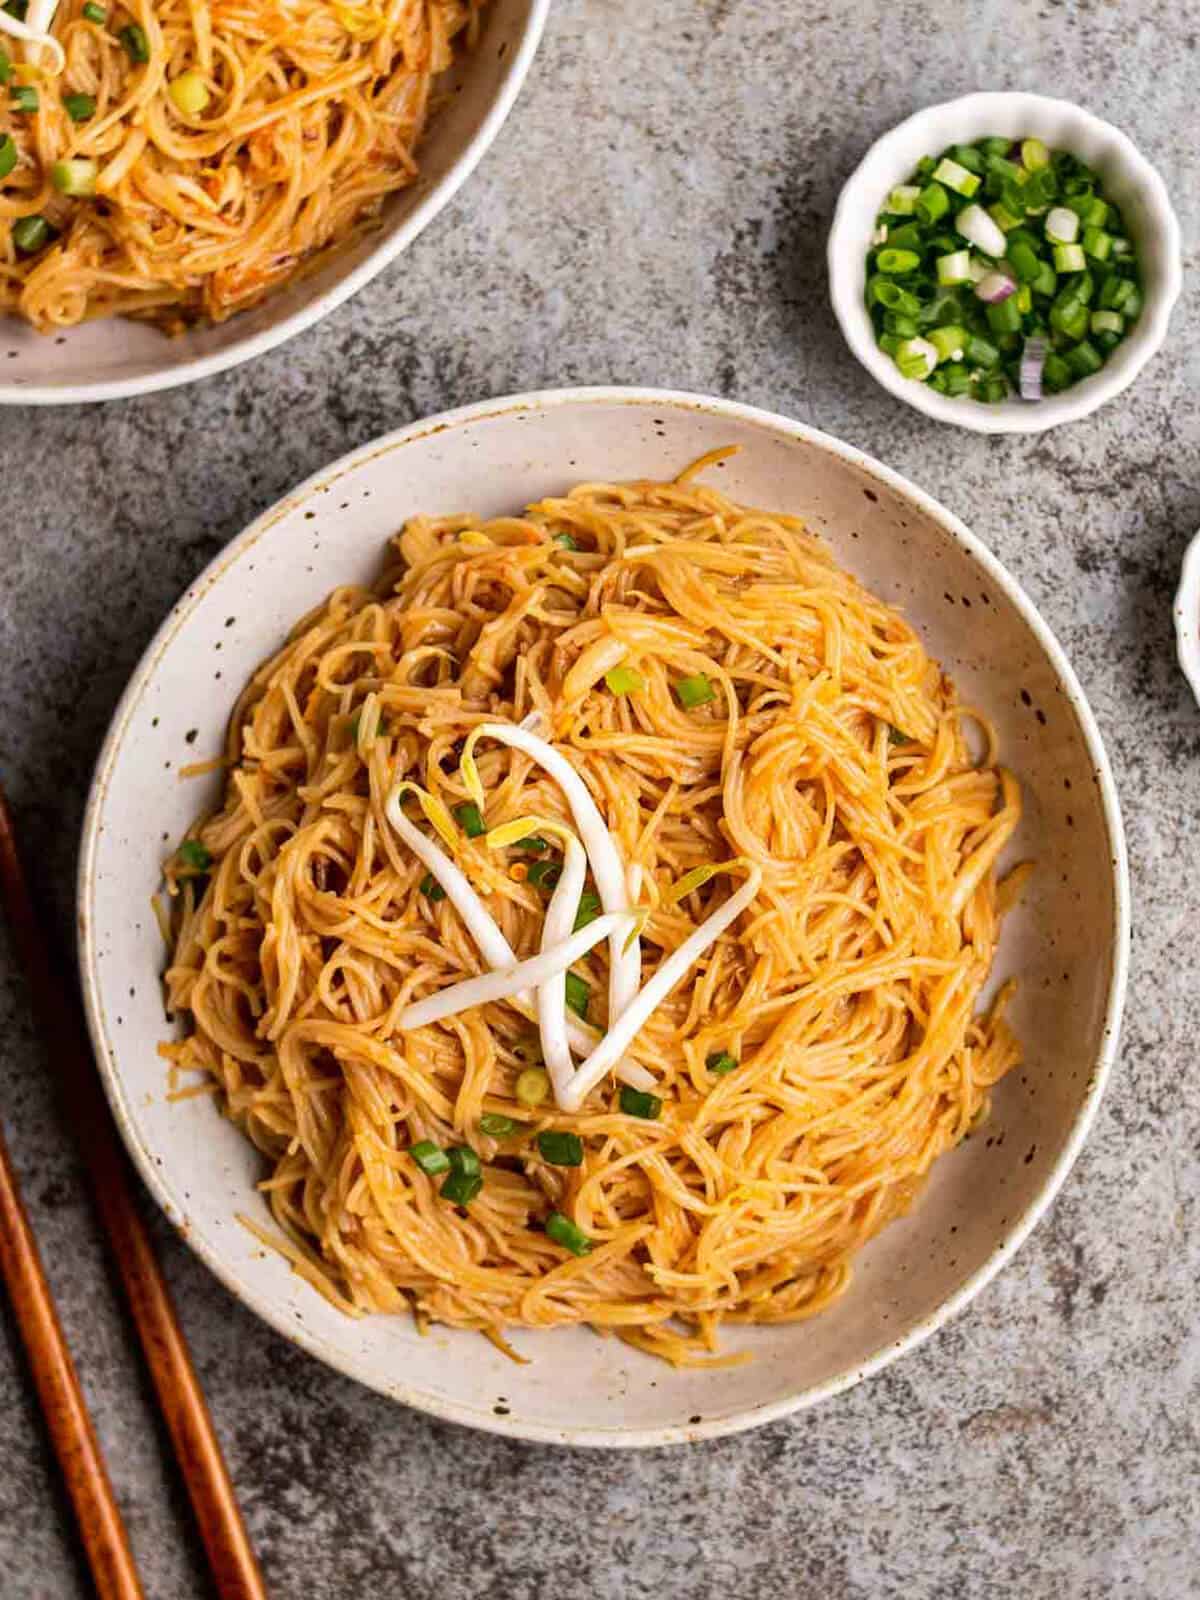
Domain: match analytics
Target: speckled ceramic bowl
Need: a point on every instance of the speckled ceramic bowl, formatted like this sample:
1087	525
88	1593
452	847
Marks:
1067	940
114	357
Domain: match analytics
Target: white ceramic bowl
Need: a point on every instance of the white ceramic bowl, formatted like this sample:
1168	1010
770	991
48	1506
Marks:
1128	177
1067	940
115	357
1187	616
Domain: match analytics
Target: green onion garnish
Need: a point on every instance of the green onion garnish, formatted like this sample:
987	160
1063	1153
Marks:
624	680
470	820
532	1086
496	1126
432	889
94	13
193	854
79	107
589	910
720	1062
463	1159
8	155
533	844
568	1234
18	9
23	97
76	178
578	995
429	1158
635	1103
460	1188
30	234
560	1149
6	66
544	874
137	46
694	691
566	541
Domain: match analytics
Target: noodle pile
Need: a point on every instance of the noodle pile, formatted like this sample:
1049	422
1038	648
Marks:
313	111
832	757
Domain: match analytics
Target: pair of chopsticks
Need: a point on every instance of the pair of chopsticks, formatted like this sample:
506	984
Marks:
234	1568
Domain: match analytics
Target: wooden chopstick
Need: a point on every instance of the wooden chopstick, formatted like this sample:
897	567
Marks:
180	1398
67	1417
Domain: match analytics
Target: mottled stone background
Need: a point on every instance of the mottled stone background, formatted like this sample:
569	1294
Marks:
655	212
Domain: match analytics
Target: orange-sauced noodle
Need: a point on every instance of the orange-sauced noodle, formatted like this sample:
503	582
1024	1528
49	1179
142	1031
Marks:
831	755
256	135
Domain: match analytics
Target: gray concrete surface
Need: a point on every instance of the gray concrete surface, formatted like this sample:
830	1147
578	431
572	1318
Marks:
655	212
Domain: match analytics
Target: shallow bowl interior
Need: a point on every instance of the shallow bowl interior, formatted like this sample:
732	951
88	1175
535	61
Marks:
1065	941
115	357
1129	180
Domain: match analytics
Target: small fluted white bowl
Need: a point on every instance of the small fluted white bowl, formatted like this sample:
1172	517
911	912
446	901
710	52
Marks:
1129	179
1187	616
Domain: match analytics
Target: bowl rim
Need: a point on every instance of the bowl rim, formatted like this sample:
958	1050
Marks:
372	264
317	1345
1187	615
1009	417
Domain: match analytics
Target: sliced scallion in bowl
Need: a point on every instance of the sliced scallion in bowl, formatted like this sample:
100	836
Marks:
1001	268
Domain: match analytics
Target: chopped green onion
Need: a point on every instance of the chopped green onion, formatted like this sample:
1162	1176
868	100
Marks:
30	234
1034	154
1024	261
463	1159
193	854
956	177
533	844
76	178
544	874
460	1188
954	268
496	1126
23	97
933	202
8	155
532	1086
189	93
949	342
18	9
624	680
432	889
1097	243
1069	258
895	299
1003	218
94	13
560	1149
1084	359
916	358
635	1103
902	201
6	66
566	541
1062	226
429	1158
79	107
568	1234
470	819
578	995
694	691
981	352
897	262
1107	322
135	42
589	910
720	1062
1005	316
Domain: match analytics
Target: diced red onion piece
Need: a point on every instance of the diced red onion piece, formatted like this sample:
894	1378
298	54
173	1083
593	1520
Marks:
995	287
1033	359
